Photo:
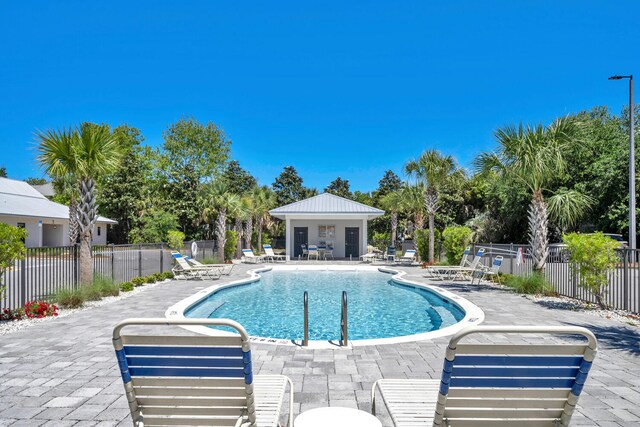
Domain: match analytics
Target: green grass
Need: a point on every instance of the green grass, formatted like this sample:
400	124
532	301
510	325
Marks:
532	284
70	298
211	260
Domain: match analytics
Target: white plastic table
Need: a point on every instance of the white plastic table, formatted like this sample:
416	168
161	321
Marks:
336	416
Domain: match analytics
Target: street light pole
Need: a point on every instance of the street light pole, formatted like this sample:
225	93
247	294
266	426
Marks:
632	163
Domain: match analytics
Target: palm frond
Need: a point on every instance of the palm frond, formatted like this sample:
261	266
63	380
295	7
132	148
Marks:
567	207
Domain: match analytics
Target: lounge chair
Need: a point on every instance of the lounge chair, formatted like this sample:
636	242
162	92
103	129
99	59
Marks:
452	272
494	270
408	258
268	250
188	271
368	257
225	269
496	384
249	256
196	380
464	262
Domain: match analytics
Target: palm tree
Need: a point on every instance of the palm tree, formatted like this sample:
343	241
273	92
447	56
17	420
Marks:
85	152
250	211
434	170
218	201
264	199
394	202
66	189
534	156
413	204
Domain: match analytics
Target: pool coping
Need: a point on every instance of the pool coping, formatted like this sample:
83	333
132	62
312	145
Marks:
473	314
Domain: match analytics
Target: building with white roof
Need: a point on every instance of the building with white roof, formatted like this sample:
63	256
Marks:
326	220
46	222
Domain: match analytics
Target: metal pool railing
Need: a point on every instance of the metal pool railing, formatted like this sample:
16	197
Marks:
623	291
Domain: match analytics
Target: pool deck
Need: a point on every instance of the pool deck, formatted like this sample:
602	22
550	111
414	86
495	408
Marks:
63	372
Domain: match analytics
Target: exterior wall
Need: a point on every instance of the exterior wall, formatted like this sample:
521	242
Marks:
338	241
47	235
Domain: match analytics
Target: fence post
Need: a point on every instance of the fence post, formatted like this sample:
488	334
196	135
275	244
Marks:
161	258
23	280
139	259
625	289
113	262
513	258
76	261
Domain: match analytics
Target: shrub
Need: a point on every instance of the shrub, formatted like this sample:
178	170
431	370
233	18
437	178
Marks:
175	239
532	284
211	260
168	275
230	244
11	249
39	309
158	276
455	240
70	298
150	279
381	239
105	286
592	257
138	281
15	314
422	243
126	286
92	293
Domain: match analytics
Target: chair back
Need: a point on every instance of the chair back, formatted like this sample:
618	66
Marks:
313	250
391	250
496	264
268	250
248	253
193	261
176	254
477	258
465	256
182	262
186	380
514	384
409	253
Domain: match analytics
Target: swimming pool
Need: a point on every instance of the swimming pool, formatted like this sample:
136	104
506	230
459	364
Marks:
378	306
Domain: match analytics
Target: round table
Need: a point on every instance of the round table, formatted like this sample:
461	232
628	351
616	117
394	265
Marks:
336	416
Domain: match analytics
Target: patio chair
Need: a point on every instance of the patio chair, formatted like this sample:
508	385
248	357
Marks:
368	257
196	380
183	269
268	250
464	262
312	251
494	270
390	255
328	252
249	256
305	251
518	384
408	258
453	272
225	269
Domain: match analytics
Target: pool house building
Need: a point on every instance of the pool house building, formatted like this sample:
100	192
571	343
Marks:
328	221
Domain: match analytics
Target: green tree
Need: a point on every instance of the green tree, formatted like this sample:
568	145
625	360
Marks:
121	193
86	153
193	154
455	240
394	202
3	172
239	180
534	156
154	227
263	200
66	193
593	257
434	170
288	187
339	187
175	239
11	249
388	183
35	181
217	201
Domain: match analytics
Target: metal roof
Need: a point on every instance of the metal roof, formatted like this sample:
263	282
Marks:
17	198
326	203
47	189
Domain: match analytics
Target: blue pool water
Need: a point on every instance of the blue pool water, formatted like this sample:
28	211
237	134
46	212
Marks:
378	306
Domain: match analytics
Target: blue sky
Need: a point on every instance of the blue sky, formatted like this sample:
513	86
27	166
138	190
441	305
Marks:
332	87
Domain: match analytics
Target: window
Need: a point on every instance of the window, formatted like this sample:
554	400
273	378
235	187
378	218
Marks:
99	230
326	231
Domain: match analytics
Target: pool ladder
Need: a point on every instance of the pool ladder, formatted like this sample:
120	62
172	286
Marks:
344	330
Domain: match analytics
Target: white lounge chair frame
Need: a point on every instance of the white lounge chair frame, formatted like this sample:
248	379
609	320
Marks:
433	270
453	272
482	385
186	270
196	380
269	254
225	269
494	270
408	258
249	256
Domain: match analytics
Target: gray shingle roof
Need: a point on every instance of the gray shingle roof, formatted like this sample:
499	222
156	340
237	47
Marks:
17	198
326	203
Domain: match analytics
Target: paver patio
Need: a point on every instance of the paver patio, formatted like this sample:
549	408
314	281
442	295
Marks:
64	373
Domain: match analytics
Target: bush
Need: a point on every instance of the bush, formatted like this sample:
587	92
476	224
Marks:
70	298
175	239
92	293
532	284
150	279
422	243
39	309
138	281
11	249
15	314
126	286
168	275
105	286
211	260
381	239
158	277
455	240
592	257
230	244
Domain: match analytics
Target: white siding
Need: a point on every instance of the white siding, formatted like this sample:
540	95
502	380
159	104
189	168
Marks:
312	225
47	235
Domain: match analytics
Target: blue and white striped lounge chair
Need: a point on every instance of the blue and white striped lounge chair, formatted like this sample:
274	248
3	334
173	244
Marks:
249	256
225	269
530	385
196	380
491	271
434	270
268	250
408	258
183	269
